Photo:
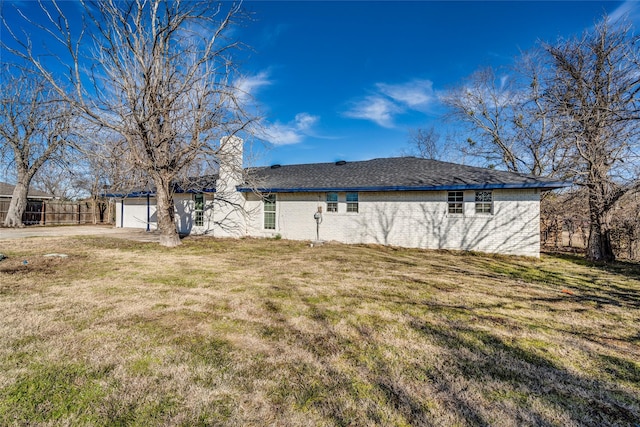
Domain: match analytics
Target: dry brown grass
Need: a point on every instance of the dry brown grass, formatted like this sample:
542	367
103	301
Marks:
256	332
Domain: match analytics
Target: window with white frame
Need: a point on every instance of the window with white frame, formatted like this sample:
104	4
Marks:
455	200
198	200
352	202
332	202
270	212
484	202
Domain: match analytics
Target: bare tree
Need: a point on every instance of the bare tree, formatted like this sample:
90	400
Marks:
569	110
34	125
158	73
595	97
109	165
507	119
564	212
483	103
425	143
626	227
63	175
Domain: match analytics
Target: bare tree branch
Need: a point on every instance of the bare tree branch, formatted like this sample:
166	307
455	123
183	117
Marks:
34	126
157	73
595	98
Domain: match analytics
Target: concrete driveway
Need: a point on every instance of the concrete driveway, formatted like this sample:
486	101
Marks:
79	230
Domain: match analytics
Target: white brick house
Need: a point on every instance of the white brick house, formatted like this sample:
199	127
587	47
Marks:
403	201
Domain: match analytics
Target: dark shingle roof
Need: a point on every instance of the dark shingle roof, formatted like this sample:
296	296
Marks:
205	183
389	174
6	190
199	184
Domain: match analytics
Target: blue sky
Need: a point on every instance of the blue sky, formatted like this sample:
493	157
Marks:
342	80
348	80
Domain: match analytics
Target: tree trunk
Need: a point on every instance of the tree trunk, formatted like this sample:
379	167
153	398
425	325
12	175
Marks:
599	246
558	229
94	206
166	212
583	235
18	204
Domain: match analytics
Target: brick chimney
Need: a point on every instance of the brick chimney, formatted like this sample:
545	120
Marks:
230	159
229	210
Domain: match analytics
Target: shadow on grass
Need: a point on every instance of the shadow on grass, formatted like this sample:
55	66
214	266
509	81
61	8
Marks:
523	381
488	359
625	268
406	351
363	392
620	289
353	379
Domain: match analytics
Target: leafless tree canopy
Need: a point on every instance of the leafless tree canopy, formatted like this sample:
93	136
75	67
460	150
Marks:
158	74
595	96
425	143
34	126
507	119
569	110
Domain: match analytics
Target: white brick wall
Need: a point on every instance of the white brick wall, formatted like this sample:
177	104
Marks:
411	219
135	213
401	218
223	215
185	214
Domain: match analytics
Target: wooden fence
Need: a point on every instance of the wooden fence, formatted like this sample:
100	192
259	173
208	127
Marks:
55	212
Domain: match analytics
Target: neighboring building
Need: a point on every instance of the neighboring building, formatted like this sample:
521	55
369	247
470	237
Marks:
403	201
35	204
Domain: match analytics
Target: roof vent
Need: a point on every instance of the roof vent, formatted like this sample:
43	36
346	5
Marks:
275	166
341	162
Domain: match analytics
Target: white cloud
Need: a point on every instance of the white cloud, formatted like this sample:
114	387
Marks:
248	85
304	121
279	134
289	133
630	9
391	100
416	94
375	108
276	133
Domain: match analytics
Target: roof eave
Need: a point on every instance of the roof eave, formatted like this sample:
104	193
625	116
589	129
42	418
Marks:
134	194
452	187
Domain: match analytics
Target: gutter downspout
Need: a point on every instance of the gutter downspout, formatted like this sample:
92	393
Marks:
122	213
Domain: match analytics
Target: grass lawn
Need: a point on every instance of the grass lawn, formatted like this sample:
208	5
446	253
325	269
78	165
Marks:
273	332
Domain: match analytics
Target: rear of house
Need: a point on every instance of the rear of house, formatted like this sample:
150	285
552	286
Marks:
402	201
497	221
